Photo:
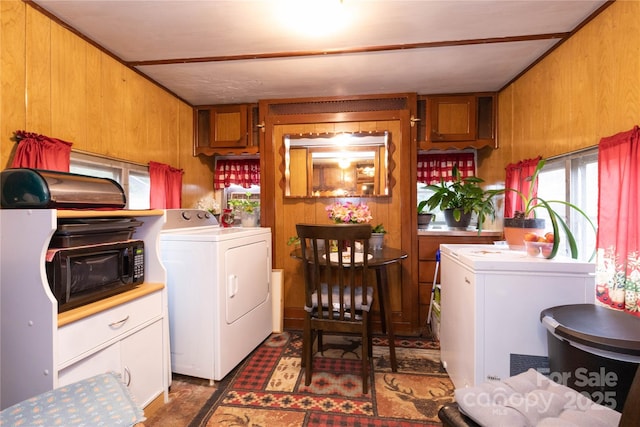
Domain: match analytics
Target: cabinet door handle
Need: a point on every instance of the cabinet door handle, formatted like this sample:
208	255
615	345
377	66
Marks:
127	375
119	323
466	280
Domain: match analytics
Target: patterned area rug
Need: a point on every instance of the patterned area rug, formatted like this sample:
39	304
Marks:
268	389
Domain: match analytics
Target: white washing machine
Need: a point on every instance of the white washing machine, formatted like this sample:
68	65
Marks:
219	292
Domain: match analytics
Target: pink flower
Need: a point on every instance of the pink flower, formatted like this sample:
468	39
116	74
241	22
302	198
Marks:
349	213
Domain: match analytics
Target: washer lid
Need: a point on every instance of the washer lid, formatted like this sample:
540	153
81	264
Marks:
213	234
595	326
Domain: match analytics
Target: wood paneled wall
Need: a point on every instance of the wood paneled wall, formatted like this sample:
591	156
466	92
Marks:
57	84
585	90
391	211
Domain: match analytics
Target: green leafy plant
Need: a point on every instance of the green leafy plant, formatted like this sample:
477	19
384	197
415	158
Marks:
293	240
379	229
463	195
247	204
531	203
421	206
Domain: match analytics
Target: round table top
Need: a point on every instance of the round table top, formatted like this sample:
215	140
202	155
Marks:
386	255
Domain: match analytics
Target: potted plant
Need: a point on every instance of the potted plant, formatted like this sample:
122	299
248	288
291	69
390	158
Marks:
377	237
424	217
524	224
249	210
460	198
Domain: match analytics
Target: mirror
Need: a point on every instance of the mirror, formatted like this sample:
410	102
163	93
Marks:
337	165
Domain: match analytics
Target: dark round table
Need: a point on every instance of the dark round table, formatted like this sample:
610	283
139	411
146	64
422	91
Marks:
381	259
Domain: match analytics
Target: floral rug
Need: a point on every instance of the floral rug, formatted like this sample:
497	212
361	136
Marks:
268	388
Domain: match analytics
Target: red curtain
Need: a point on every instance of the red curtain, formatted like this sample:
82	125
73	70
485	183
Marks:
618	240
41	152
240	172
516	178
166	186
432	168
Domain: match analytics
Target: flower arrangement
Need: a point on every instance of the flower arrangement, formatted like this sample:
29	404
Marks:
209	203
349	213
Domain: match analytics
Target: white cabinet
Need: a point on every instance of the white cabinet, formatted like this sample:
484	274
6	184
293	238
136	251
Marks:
135	353
141	358
78	338
42	349
491	301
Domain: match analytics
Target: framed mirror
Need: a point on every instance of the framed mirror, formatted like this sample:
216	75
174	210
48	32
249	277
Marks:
337	165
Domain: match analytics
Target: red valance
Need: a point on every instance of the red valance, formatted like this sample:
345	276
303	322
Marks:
41	152
236	171
433	168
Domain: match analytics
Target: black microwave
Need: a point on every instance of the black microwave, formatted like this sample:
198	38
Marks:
84	274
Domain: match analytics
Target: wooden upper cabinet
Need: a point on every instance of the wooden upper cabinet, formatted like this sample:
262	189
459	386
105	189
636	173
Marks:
457	121
451	118
226	129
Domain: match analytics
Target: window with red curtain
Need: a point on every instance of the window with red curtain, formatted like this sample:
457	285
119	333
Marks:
244	172
618	239
166	186
433	168
41	152
518	177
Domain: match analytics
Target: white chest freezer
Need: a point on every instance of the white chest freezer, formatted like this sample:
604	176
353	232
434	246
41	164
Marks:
491	300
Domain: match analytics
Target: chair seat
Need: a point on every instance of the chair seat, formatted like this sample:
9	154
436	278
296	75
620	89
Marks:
347	298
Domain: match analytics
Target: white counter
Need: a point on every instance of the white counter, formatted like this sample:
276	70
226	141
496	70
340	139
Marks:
443	230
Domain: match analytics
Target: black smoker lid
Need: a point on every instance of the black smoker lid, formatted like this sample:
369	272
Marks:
596	326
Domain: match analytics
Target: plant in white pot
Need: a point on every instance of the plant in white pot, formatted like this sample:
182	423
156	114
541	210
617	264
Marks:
377	237
525	224
460	198
249	210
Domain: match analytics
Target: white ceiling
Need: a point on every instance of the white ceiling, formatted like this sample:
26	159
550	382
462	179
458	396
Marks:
250	50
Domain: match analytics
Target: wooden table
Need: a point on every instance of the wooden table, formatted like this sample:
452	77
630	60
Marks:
381	259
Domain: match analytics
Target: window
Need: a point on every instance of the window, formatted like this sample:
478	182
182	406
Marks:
437	164
573	178
133	178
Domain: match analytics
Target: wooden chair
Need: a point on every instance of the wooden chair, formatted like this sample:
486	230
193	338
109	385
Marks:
344	309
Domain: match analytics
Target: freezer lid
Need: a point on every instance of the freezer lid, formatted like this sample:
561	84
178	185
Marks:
480	257
594	326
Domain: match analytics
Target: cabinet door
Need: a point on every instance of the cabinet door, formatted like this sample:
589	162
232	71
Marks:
451	118
142	367
226	129
138	359
229	126
105	360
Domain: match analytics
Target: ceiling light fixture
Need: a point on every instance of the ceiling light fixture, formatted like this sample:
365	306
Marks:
313	18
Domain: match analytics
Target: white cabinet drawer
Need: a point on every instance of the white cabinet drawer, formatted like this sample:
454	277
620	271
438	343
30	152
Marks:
80	337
